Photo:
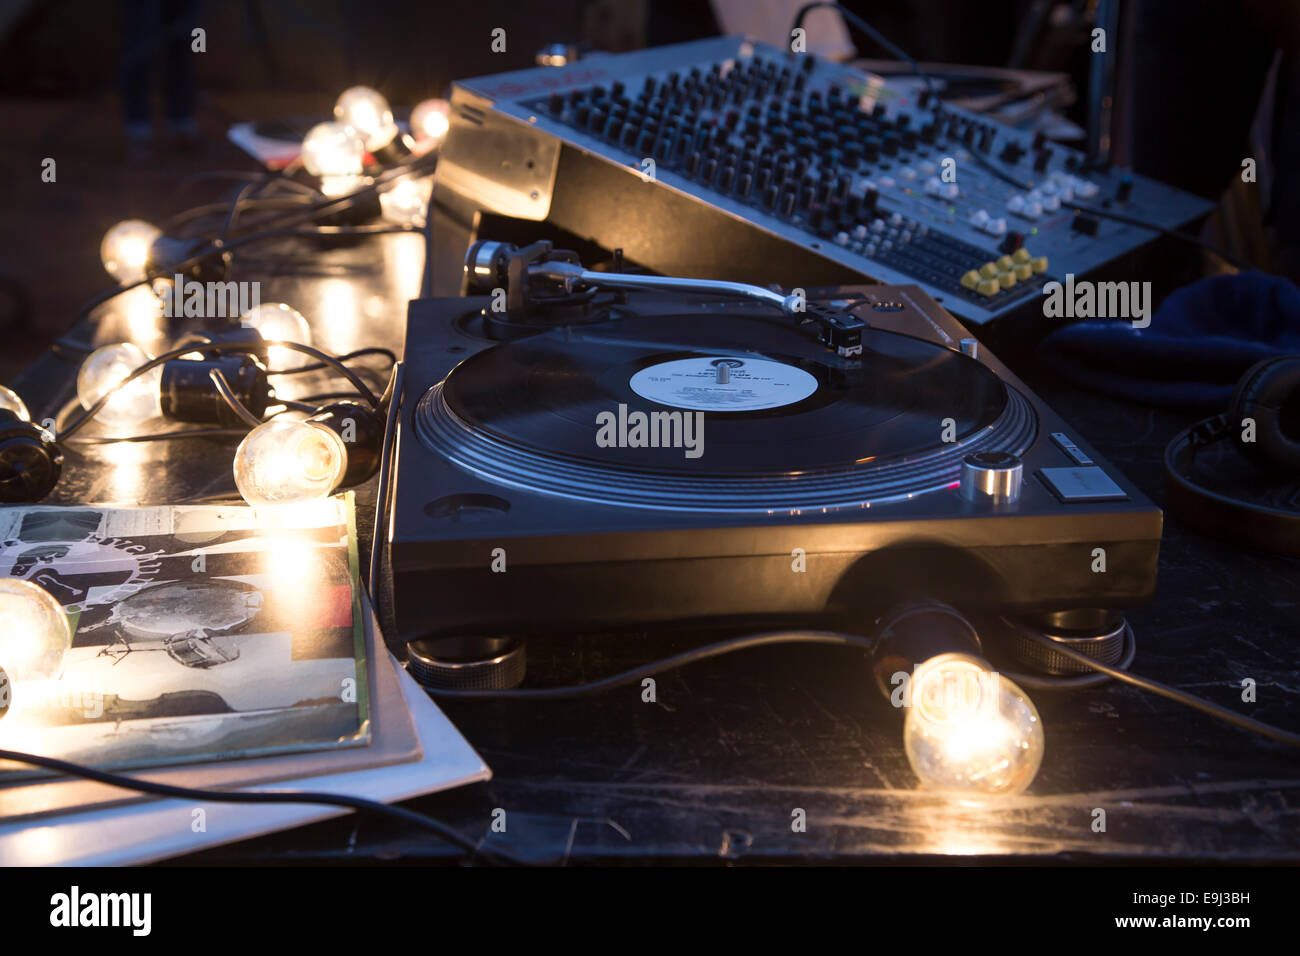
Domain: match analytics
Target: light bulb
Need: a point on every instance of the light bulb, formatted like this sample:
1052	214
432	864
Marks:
407	203
430	121
106	367
10	402
366	111
288	462
34	631
276	321
969	730
125	249
335	153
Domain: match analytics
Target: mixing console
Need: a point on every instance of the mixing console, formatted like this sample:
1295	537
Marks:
737	160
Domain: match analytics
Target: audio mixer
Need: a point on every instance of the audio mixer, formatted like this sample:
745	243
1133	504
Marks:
737	160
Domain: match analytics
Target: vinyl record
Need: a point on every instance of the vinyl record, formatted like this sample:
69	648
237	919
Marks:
785	405
719	412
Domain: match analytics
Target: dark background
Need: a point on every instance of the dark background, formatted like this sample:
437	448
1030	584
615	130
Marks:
1188	94
59	69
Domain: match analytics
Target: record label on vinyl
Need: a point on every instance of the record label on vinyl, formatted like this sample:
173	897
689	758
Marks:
723	384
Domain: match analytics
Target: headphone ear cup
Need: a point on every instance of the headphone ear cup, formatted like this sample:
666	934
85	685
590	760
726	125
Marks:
1269	396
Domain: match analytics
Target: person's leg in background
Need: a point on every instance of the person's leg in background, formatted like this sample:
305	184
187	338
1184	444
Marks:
179	18
140	39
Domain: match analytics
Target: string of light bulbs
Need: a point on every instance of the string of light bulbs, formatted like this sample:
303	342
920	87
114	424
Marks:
223	383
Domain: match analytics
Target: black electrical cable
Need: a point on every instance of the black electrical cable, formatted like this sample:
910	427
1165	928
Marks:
165	436
393	398
217	249
363	390
1081	682
345	357
231	399
870	31
357	804
666	664
1287	737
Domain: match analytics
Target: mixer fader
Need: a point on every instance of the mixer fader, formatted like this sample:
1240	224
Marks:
731	158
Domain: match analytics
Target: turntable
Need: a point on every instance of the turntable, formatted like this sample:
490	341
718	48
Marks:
600	450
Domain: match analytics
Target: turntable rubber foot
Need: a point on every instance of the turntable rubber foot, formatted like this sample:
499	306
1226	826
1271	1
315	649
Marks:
464	662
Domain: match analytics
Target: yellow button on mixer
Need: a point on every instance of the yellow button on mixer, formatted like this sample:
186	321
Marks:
971	279
1040	265
989	270
988	287
1004	264
1006	279
1020	255
1024	271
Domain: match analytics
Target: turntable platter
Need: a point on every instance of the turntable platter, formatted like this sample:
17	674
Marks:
781	422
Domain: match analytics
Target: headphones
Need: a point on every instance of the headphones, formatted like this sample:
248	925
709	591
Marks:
1263	423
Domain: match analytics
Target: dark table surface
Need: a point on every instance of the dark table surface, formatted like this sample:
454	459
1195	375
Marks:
716	768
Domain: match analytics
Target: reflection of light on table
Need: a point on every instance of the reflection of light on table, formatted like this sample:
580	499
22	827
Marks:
127	481
960	827
338	318
143	314
404	266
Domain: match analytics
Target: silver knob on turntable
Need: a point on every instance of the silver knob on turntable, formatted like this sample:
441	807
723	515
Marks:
994	477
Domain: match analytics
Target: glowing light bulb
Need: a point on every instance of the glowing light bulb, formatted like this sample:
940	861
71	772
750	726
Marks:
430	121
10	402
34	631
130	405
969	730
366	111
276	321
335	153
289	462
125	249
407	203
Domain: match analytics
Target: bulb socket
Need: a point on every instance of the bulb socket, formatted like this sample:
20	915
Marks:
189	395
166	254
364	209
30	460
362	431
912	633
397	150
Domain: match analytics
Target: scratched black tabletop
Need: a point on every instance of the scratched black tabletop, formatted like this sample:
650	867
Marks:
715	769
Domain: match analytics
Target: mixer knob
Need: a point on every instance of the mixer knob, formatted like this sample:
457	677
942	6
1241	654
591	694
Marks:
890	144
1042	159
871	149
909	139
928	133
852	155
1011	152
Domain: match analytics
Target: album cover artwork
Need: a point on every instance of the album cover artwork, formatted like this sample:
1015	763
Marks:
198	633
